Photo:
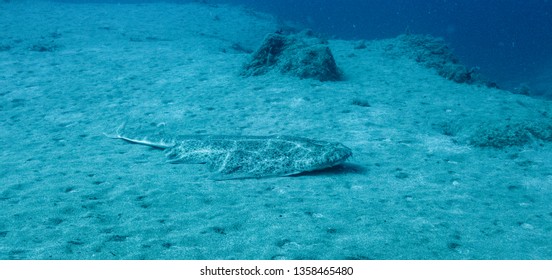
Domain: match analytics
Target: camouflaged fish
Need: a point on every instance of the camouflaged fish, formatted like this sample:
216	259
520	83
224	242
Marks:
236	157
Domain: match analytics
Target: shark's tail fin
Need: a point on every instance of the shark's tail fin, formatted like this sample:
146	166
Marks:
117	134
155	141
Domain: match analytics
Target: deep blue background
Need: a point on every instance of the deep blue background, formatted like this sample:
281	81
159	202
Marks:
510	40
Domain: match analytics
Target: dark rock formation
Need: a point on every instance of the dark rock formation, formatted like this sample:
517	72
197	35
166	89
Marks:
434	53
511	134
301	55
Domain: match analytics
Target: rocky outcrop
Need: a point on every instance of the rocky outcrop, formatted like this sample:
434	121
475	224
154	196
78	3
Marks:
434	53
302	55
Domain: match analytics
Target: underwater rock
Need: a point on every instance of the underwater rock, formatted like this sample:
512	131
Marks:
434	53
4	47
44	46
360	45
523	89
511	134
302	55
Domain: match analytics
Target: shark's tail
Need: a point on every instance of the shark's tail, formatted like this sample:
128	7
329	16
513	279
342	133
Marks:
117	134
155	142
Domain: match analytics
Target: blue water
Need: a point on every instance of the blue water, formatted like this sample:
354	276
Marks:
510	40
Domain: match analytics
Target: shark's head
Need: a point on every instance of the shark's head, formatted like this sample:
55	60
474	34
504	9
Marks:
335	154
323	155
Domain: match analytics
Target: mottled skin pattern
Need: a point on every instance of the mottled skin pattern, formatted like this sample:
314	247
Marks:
234	157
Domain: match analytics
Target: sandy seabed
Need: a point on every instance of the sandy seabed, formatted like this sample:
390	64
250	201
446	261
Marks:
421	184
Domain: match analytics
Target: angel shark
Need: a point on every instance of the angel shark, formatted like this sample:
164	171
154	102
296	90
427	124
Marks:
237	157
